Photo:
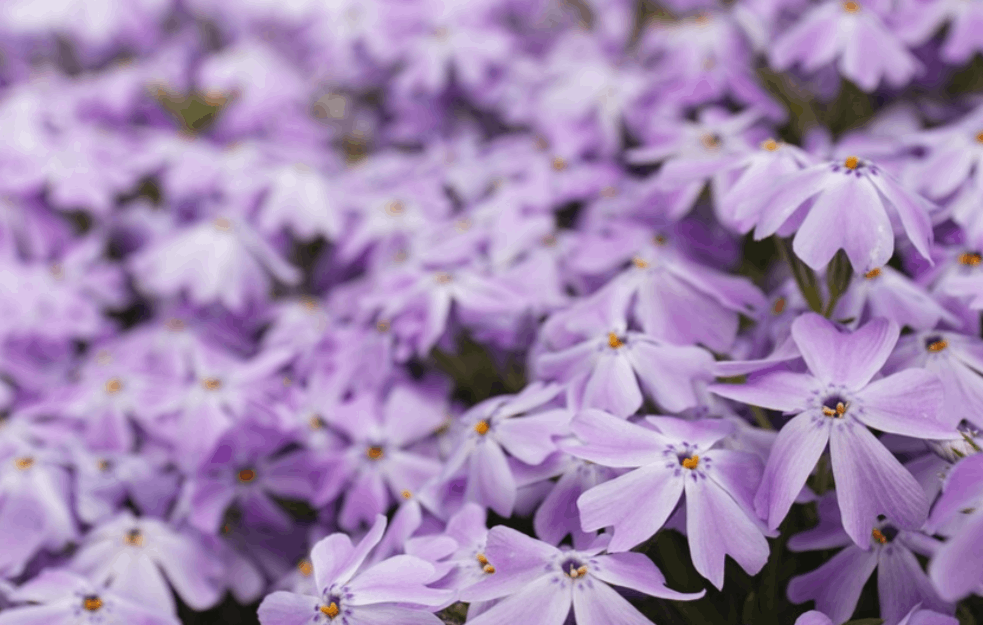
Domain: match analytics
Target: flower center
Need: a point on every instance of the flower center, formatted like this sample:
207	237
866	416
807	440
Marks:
103	465
884	535
691	462
92	603
770	145
660	239
851	7
114	386
442	277
481	427
24	463
936	344
971	259
558	163
835	407
222	223
483	561
395	207
613	341
316	422
640	263
851	162
979	137
331	610
710	141
873	273
374	452
211	384
134	537
306	568
573	568
247	475
778	306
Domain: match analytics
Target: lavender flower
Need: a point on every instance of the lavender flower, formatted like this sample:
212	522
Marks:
835	403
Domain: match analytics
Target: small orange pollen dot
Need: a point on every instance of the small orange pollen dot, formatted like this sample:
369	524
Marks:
395	207
660	239
488	568
879	537
222	223
247	475
133	537
306	568
979	137
24	463
382	326
873	273
316	422
971	259
613	341
851	7
406	494
374	452
710	141
481	427
92	603
331	610
837	412
778	306
639	262
442	277
482	559
938	346
851	162
211	384
691	463
558	163
770	145
609	191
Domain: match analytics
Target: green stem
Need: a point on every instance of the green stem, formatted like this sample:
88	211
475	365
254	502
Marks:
761	418
805	279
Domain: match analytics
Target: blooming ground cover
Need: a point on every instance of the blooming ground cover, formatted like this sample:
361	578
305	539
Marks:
505	312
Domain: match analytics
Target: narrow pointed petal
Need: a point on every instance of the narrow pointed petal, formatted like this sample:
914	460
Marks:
794	455
837	584
957	568
839	357
614	442
906	403
599	604
777	390
636	571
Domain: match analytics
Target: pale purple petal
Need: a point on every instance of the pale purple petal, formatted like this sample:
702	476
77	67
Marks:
901	584
636	571
847	358
870	481
957	568
287	608
906	403
612	386
540	601
778	390
614	442
490	481
599	604
837	584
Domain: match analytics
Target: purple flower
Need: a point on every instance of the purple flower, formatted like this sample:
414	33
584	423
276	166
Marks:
557	515
137	557
958	361
522	425
919	21
392	591
888	293
957	568
853	34
244	469
852	205
837	584
606	365
677	457
539	583
60	596
834	403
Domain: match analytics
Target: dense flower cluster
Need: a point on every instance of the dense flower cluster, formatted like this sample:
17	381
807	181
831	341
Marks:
409	312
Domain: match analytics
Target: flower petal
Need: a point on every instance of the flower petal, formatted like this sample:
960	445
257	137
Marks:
599	604
612	386
793	456
636	571
541	602
777	390
490	481
837	584
902	584
286	608
870	481
636	504
957	568
847	358
614	442
906	403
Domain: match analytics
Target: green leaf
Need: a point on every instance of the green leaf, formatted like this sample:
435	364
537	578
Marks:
865	621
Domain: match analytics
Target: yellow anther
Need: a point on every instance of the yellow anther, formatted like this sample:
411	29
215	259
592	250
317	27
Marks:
222	223
488	568
374	452
442	277
613	341
247	475
710	141
395	207
211	384
481	558
769	144
92	603
837	412
639	262
691	463
851	7
134	537
382	326
979	137
873	273
481	427
406	494
463	225
331	610
971	259
24	463
305	567
309	303
879	537
103	465
778	306
851	162
114	386
316	422
937	346
660	239
558	163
